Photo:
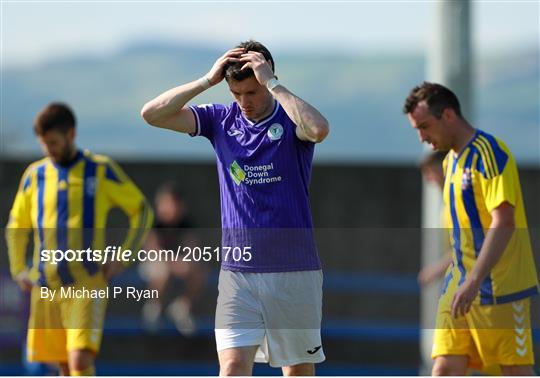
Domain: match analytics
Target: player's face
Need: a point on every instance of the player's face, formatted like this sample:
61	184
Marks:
254	99
59	147
169	210
431	130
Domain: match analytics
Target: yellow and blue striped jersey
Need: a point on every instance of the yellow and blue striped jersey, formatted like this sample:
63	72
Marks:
67	208
477	181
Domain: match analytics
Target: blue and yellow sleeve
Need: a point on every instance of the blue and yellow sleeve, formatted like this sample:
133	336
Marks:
498	175
124	194
19	225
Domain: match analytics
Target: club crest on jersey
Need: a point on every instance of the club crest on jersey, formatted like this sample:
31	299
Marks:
62	185
466	179
275	131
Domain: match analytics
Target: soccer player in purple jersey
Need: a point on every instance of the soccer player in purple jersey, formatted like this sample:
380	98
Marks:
270	294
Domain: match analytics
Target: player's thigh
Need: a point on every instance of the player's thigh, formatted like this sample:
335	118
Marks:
517	370
299	370
452	336
449	341
454	365
81	359
292	311
84	320
46	345
503	333
454	349
238	306
292	300
46	338
239	321
237	361
291	347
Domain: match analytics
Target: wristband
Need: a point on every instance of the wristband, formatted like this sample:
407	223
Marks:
272	83
204	82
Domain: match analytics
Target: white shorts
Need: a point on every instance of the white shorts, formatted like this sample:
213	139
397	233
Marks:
279	312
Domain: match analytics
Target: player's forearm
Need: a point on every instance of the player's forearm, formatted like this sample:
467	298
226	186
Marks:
443	265
171	102
139	226
310	120
497	238
17	242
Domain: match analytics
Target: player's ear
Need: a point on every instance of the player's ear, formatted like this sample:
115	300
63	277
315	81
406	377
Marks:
449	115
71	134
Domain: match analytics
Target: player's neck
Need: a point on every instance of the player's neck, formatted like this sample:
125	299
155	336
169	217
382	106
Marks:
464	133
72	154
267	112
70	158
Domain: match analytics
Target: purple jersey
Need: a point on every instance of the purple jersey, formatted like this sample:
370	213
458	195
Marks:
264	172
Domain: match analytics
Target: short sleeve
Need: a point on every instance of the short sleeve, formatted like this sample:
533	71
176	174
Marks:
499	182
207	119
123	193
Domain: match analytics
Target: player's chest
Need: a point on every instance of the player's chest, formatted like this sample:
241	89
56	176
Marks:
462	184
58	189
252	143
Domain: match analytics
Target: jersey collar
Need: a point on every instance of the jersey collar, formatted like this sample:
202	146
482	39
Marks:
264	120
476	133
69	165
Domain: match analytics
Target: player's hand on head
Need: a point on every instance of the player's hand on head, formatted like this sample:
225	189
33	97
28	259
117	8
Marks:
217	73
260	66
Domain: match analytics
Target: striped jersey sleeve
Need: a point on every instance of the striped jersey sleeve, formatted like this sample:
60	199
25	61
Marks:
20	223
123	193
498	172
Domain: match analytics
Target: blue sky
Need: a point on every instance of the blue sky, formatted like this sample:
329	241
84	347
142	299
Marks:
37	31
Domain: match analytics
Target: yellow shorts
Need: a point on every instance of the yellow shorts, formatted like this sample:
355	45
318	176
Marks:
490	335
66	322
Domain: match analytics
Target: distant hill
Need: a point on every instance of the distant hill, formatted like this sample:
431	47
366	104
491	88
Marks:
362	97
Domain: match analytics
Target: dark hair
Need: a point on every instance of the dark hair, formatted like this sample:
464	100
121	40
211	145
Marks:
436	96
170	188
433	159
234	70
55	116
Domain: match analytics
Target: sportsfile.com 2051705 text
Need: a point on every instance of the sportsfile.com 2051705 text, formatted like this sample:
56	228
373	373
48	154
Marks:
119	254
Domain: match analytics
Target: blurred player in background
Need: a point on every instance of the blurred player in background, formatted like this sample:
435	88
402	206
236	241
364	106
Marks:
484	311
270	301
65	199
172	229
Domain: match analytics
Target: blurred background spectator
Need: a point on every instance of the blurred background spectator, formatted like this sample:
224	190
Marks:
179	283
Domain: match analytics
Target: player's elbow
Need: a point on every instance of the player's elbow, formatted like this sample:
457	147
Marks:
321	131
148	113
503	217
